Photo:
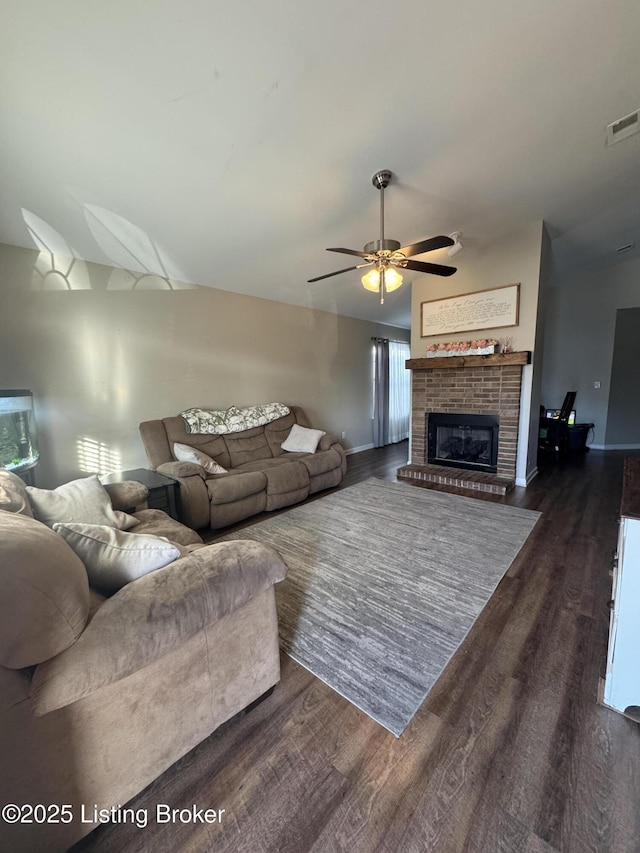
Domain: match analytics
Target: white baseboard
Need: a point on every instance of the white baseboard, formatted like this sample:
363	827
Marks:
359	449
524	481
614	446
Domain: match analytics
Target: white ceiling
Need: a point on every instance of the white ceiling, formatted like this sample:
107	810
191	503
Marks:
229	143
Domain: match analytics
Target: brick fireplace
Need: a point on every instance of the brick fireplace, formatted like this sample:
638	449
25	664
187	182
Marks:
471	385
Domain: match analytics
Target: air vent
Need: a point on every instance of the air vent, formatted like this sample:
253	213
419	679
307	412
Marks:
623	127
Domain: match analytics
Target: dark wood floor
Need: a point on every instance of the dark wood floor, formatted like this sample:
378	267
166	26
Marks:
510	751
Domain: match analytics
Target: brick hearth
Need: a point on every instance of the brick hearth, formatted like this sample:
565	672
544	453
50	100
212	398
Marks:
483	385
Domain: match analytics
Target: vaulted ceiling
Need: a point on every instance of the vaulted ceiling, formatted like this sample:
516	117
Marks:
228	144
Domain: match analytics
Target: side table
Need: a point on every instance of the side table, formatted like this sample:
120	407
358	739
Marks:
162	489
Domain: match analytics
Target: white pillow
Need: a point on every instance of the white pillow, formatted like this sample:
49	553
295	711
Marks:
302	440
185	453
85	501
114	558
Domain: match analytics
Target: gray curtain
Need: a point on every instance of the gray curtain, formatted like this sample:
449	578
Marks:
380	392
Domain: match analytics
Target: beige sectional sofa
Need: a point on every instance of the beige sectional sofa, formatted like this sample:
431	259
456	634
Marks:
259	474
99	695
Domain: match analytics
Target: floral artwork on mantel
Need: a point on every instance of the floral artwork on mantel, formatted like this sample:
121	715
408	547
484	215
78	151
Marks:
480	347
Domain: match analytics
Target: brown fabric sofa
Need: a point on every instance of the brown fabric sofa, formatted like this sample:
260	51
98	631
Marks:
261	476
98	696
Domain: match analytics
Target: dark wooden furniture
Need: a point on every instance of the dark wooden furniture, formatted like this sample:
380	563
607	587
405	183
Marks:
554	432
163	490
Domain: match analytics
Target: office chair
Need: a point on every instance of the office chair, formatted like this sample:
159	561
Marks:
557	429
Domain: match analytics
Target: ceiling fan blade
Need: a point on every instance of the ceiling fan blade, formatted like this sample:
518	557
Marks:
434	269
329	274
426	246
350	252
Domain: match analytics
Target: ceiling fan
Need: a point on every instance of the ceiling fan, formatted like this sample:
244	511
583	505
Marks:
387	256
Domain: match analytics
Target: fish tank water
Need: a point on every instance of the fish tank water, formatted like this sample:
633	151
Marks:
18	439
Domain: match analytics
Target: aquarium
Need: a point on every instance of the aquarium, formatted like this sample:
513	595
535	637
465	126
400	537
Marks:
18	439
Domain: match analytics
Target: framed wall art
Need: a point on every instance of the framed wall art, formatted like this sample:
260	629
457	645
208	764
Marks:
470	312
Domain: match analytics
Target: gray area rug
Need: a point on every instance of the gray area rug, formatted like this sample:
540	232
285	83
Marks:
385	581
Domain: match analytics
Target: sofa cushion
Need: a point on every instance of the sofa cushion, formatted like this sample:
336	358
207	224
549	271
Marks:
114	558
13	494
85	501
290	477
247	446
267	464
287	480
283	474
186	453
321	462
302	439
234	487
45	592
158	523
328	480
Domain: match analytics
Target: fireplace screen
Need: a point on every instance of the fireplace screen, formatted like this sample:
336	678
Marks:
463	441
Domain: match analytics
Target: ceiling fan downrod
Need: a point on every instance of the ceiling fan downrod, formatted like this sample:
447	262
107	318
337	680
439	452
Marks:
380	181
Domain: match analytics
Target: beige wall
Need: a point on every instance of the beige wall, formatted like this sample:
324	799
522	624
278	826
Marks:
517	258
101	357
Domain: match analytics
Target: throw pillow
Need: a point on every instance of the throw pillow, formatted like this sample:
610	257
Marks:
13	494
302	439
185	453
113	557
86	501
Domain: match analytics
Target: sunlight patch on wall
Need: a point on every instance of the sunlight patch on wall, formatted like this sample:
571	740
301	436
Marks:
125	279
141	264
147	264
55	272
58	266
96	457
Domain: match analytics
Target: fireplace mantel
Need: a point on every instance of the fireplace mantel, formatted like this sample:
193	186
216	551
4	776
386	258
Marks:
497	359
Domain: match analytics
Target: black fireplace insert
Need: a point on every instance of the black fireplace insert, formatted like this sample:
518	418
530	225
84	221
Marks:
463	441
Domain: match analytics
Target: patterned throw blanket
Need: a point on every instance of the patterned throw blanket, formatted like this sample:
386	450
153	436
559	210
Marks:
222	421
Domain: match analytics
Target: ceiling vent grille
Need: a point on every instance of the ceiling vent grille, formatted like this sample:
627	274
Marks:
623	127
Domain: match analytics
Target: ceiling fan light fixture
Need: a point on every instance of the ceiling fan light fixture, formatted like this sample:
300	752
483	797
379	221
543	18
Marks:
392	280
371	280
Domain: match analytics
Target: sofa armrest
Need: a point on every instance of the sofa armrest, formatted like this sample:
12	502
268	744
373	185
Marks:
153	615
127	495
179	470
193	505
327	441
